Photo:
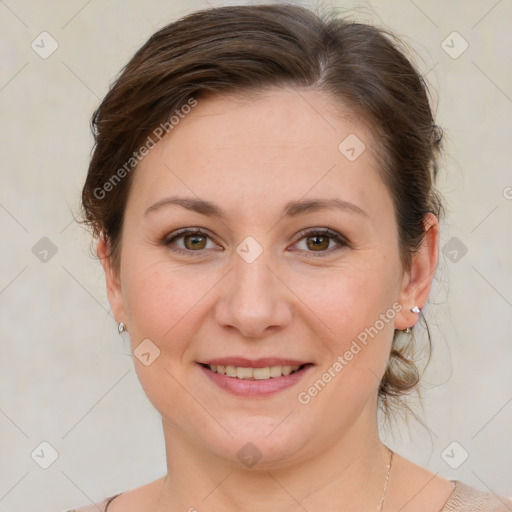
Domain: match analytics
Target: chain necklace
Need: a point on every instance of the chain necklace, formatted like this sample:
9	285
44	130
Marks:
388	472
381	503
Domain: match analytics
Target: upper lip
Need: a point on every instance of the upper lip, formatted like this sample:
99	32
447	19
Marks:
253	363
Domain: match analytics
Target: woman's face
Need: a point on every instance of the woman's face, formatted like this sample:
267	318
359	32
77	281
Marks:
274	280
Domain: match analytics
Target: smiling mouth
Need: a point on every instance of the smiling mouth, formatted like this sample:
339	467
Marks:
248	373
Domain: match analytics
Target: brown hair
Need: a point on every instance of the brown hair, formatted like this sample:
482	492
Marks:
249	48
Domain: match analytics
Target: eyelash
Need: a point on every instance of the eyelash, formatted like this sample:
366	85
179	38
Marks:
332	235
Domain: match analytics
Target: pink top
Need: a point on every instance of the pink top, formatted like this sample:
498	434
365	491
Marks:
464	498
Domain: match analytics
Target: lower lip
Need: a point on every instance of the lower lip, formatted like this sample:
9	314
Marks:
253	387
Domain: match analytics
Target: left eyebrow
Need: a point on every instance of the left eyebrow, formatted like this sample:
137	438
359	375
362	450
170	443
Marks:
291	209
294	208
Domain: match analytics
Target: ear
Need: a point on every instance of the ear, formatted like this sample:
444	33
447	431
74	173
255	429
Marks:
416	282
114	291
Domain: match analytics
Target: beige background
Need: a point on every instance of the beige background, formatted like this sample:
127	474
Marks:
67	377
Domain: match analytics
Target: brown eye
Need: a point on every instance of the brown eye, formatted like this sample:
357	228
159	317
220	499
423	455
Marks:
189	241
322	241
318	242
194	242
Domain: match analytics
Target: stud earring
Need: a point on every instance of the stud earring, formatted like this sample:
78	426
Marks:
415	309
407	330
121	328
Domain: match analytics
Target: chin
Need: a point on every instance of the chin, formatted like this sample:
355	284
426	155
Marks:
260	442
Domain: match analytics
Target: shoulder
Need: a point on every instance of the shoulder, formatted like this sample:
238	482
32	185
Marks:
100	506
465	498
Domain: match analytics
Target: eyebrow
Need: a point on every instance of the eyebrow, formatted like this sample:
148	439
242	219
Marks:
291	209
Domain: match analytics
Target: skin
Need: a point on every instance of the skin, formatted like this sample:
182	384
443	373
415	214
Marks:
251	156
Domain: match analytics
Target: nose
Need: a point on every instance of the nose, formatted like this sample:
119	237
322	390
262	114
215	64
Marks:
253	299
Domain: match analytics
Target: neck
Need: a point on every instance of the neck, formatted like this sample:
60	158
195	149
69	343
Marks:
348	475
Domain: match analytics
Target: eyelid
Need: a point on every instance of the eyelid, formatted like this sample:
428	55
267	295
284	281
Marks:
324	231
183	232
341	240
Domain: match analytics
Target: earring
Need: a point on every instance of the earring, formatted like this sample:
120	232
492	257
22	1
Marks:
414	309
121	328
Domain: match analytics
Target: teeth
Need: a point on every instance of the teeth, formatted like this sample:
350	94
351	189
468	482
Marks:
275	371
243	373
261	373
287	370
230	370
253	373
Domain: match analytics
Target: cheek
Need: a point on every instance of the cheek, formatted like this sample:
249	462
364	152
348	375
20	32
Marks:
361	314
357	305
351	297
150	295
160	301
167	302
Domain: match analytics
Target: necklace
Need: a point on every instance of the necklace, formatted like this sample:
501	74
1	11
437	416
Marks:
381	503
388	471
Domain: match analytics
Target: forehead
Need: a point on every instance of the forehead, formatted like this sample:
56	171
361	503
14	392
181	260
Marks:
275	119
274	145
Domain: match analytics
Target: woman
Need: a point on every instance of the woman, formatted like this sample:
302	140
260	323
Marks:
262	189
